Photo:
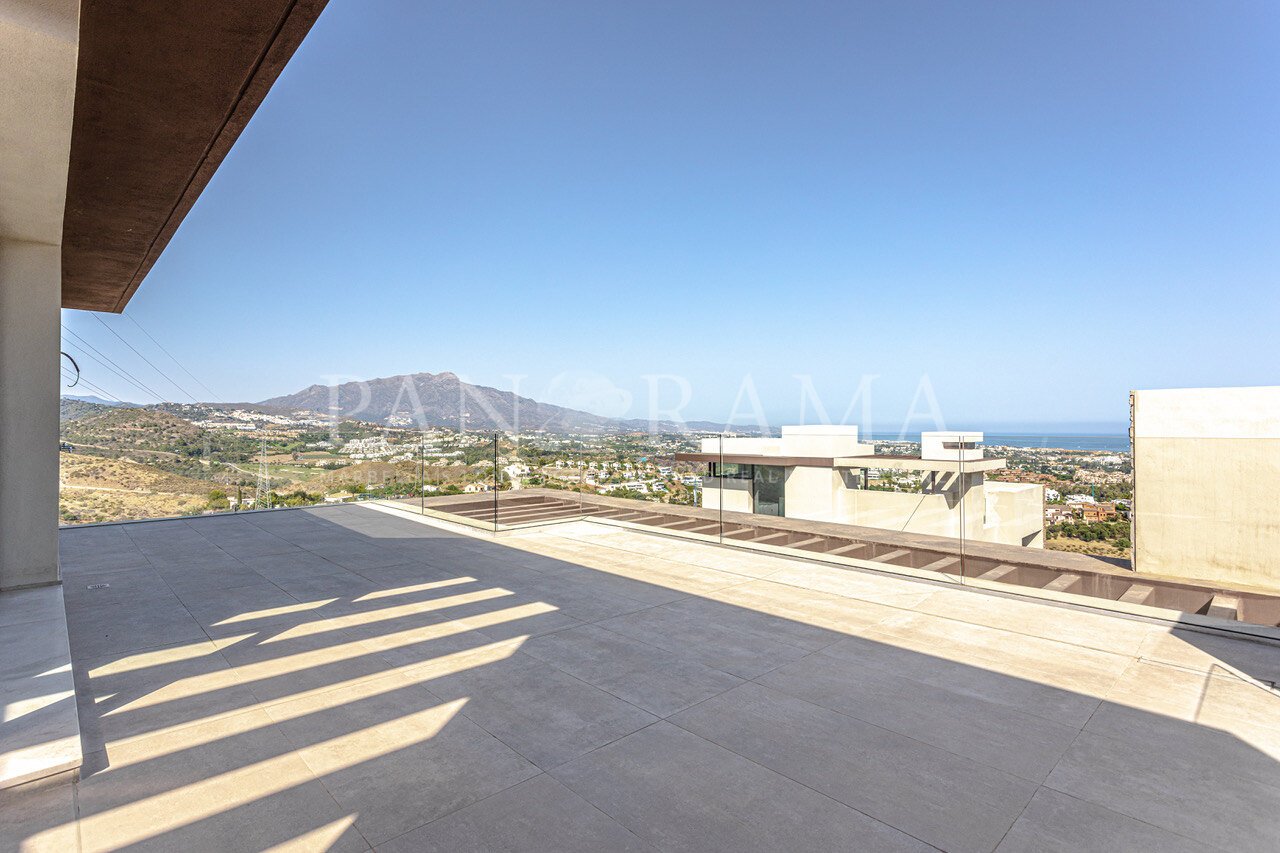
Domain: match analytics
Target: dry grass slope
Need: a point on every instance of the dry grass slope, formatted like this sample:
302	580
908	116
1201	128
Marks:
97	489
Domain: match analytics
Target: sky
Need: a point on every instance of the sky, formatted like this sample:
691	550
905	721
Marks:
993	215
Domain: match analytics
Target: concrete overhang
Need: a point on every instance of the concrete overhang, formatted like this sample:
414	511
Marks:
162	92
759	459
903	463
894	463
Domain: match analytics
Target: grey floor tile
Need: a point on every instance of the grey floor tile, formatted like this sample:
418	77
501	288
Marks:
535	816
542	713
946	800
234	784
678	791
951	667
654	679
396	756
129	695
993	733
38	819
1056	823
129	628
1211	803
744	653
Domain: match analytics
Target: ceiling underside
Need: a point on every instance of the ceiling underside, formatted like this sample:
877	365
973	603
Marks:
163	91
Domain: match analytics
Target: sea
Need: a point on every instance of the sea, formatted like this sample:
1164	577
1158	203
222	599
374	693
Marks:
1062	441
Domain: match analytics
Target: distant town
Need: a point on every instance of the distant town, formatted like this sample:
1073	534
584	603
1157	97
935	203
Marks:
120	463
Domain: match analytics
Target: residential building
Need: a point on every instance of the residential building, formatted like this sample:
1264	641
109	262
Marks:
1205	466
1058	514
824	473
1097	511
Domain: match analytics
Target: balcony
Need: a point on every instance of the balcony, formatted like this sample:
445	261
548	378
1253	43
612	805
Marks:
350	677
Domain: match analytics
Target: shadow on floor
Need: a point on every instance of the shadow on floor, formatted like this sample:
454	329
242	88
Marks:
339	678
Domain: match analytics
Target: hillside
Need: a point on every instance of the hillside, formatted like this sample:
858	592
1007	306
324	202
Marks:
150	434
366	474
136	490
442	399
74	408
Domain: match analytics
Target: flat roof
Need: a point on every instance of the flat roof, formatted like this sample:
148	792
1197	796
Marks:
163	91
898	462
760	459
341	677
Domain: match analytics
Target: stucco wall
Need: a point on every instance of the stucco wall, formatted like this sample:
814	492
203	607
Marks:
1206	471
735	495
1013	514
38	48
810	493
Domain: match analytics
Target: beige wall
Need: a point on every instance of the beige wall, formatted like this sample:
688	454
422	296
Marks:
38	47
734	495
1008	513
1013	514
811	493
1206	472
30	290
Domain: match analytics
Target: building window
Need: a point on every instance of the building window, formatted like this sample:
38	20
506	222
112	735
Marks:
732	470
768	490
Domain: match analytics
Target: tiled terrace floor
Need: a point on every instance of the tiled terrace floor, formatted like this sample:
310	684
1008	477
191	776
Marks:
340	678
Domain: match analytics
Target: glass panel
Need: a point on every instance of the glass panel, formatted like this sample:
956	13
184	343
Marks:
768	495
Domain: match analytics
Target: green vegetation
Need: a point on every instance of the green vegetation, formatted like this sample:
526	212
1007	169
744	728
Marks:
1115	533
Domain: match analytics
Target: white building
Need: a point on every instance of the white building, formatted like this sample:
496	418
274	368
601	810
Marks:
821	473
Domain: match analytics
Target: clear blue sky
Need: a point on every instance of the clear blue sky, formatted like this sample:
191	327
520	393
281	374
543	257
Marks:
1037	206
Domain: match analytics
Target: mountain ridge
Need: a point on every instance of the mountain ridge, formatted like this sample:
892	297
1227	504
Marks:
443	399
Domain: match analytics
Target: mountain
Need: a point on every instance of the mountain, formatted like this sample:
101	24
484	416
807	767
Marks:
74	408
442	399
98	401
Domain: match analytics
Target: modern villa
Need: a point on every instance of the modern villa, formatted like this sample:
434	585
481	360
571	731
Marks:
824	473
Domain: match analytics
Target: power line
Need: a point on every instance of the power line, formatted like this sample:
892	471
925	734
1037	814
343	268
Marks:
89	386
88	348
103	393
111	365
144	358
212	395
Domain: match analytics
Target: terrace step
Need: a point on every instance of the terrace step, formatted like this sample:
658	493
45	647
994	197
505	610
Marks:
40	738
944	565
1064	582
1139	593
701	527
999	573
1224	606
848	550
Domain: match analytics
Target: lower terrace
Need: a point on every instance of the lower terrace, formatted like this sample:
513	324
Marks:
350	677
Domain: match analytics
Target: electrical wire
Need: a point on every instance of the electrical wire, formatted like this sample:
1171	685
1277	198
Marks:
212	395
89	386
111	365
166	376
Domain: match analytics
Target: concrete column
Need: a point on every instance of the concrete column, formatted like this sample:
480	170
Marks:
30	301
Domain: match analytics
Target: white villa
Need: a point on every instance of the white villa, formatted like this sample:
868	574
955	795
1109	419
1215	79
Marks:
824	473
